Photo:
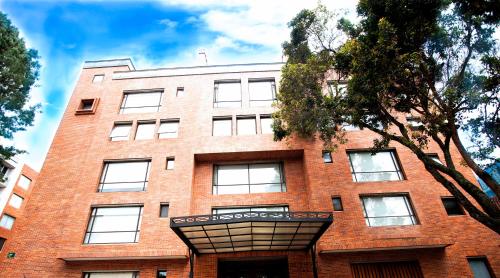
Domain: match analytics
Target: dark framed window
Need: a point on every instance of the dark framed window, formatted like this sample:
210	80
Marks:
170	163
337	203
141	102
87	106
227	93
246	125
248	209
121	131
114	225
2	242
249	178
118	274
480	267
124	176
262	92
161	274
327	157
222	126
164	207
388	210
168	129
180	92
381	166
452	206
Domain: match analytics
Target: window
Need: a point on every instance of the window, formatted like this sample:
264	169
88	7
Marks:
87	106
16	201
249	209
266	124
248	178
262	92
414	123
164	210
327	157
434	157
114	225
2	243
24	182
337	204
480	267
337	88
227	94
120	131
124	176
382	166
141	102
3	171
388	211
7	221
161	274
222	127
246	125
121	274
168	129
452	206
349	127
98	78
170	163
180	92
145	130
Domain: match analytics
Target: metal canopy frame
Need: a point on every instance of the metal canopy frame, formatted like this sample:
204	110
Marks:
251	231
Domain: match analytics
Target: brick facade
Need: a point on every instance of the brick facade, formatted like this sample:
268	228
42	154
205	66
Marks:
50	242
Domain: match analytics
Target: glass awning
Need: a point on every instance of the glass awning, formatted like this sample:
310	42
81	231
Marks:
251	231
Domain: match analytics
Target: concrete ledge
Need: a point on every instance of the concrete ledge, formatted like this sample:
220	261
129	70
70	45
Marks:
392	248
109	63
122	258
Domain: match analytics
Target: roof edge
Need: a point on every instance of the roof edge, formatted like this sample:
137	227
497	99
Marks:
109	63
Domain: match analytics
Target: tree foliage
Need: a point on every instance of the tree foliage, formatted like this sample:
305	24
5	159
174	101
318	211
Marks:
433	60
19	70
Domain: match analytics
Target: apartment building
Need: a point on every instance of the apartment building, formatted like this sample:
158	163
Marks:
173	172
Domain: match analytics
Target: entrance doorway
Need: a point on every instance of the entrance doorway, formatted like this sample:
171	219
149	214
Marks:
255	268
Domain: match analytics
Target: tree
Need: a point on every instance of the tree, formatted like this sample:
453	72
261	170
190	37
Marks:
433	60
19	70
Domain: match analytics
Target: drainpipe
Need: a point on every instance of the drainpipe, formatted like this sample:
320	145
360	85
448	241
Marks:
313	256
191	263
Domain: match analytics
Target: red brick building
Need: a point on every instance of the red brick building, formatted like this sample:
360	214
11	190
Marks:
175	172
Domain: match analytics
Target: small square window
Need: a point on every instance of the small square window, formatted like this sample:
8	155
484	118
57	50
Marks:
16	201
170	163
98	78
120	131
164	210
452	206
337	204
87	106
180	93
327	157
246	126
7	221
222	126
145	130
168	129
161	274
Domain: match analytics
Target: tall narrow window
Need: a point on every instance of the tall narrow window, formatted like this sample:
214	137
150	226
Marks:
327	157
2	243
24	182
7	221
161	274
248	178
145	130
337	88
164	207
480	267
124	176
4	169
381	166
266	124
142	102
222	127
170	163
180	92
16	201
121	131
227	93
245	125
121	274
114	225
337	204
262	92
452	206
168	129
388	210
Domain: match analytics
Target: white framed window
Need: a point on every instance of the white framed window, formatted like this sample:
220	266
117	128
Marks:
120	131
168	129
108	274
114	225
98	78
249	209
141	102
248	178
245	125
16	201
145	130
124	176
262	92
7	221
381	166
227	93
222	126
24	182
266	124
390	210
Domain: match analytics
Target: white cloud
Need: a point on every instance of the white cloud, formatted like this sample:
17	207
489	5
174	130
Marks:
168	23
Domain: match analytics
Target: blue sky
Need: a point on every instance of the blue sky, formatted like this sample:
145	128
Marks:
152	33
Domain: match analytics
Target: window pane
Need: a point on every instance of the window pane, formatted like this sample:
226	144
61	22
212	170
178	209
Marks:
378	167
120	132
161	274
246	126
113	225
452	207
24	182
266	125
479	268
141	102
262	93
145	131
232	174
164	210
124	176
265	188
16	201
222	127
327	157
98	78
7	221
248	178
232	189
170	163
168	130
110	275
388	210
228	94
337	204
265	173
